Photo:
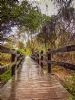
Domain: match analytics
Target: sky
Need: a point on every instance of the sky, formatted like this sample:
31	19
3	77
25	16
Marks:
50	10
42	5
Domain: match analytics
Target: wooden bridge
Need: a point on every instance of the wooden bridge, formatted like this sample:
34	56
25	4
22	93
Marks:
46	59
29	80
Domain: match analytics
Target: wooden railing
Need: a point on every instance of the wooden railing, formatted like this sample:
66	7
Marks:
16	60
45	59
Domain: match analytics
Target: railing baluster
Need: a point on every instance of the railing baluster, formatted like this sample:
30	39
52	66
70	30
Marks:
38	57
49	59
50	53
41	58
13	58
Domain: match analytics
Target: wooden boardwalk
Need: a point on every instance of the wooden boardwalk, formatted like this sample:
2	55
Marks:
32	83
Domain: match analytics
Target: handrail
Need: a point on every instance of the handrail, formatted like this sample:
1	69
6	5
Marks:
9	66
16	60
45	59
6	67
64	49
7	50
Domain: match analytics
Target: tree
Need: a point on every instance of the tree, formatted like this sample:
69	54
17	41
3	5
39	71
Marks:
20	15
65	21
47	34
21	45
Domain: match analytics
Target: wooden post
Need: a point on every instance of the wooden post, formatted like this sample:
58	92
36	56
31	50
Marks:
41	58
34	56
18	59
49	59
38	57
13	56
13	70
21	59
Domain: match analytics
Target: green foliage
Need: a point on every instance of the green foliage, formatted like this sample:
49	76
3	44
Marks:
7	10
5	58
22	51
5	76
21	14
4	55
21	45
71	98
27	51
70	84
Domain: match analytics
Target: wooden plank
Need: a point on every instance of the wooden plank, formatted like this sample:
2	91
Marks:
66	65
63	64
64	49
6	50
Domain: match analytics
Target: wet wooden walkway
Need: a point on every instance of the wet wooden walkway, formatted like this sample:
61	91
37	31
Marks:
32	83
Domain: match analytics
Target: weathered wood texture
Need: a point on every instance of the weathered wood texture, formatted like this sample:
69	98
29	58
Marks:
6	50
17	63
16	59
64	49
63	64
31	83
48	62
